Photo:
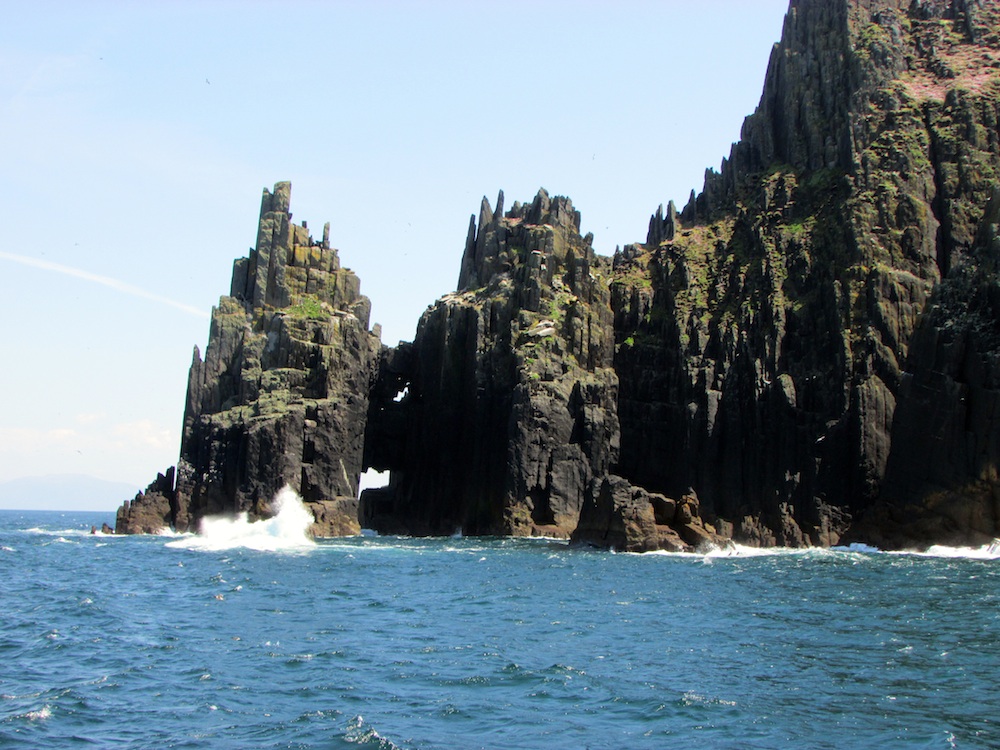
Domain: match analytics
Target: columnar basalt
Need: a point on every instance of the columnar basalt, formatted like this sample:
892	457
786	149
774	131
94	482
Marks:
806	353
281	395
941	483
762	336
510	406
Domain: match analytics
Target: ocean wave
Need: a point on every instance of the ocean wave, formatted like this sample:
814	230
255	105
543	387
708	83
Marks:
989	551
857	547
691	698
169	532
360	732
739	550
986	552
41	714
68	532
287	530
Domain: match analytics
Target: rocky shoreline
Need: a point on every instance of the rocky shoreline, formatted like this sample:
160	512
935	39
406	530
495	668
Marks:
808	353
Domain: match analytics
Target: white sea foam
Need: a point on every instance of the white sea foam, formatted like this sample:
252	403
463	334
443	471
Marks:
80	532
858	547
738	550
858	551
288	530
691	698
989	551
360	732
40	715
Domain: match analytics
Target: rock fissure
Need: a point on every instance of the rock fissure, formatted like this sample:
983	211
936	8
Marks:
942	238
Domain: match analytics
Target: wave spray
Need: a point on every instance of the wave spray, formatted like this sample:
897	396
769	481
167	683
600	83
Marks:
288	529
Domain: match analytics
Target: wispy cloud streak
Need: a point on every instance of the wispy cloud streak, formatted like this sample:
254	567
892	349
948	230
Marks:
120	286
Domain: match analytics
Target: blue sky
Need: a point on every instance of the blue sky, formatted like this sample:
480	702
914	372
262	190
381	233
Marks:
137	137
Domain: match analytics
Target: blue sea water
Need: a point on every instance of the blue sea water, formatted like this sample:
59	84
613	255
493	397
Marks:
251	637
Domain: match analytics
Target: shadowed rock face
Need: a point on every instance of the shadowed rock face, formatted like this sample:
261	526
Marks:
763	335
805	353
941	483
282	393
150	511
619	515
510	406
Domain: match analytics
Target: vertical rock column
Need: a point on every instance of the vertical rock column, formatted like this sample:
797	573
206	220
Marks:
281	396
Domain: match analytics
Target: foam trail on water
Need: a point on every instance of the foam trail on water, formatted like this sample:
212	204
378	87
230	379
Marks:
986	552
739	550
288	529
81	532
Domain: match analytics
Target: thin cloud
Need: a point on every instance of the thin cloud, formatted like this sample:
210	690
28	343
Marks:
90	417
120	286
145	432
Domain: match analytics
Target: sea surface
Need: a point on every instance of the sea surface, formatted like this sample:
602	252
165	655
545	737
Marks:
251	636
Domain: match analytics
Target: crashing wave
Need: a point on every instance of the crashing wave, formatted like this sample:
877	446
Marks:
287	530
989	551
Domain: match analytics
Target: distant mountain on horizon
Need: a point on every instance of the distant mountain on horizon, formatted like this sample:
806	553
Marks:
63	492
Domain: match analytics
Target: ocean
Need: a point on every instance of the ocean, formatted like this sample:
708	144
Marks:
252	636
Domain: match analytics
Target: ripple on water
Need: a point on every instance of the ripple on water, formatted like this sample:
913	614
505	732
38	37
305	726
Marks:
490	643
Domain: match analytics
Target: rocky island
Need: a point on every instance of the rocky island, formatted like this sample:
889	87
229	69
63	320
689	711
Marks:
807	353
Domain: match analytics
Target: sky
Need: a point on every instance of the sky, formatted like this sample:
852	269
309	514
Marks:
137	137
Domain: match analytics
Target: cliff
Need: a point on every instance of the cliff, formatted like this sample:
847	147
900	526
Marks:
281	395
764	333
804	354
941	481
510	405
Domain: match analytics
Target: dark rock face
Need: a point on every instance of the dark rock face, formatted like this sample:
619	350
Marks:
761	348
941	483
282	393
621	516
150	511
510	406
806	353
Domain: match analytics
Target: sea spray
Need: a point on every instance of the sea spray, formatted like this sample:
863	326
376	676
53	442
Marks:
287	530
989	551
986	552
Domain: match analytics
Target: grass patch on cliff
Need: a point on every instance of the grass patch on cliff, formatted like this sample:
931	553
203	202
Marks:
307	307
873	43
